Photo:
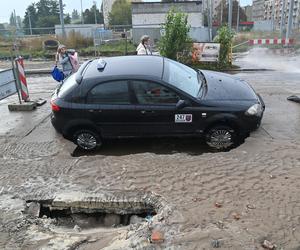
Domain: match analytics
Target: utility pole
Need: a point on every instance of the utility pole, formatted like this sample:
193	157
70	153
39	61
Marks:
95	12
82	21
61	15
229	14
221	17
290	20
282	19
210	19
15	19
29	19
238	16
273	14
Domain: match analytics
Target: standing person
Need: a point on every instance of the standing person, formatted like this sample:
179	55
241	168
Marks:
62	57
144	47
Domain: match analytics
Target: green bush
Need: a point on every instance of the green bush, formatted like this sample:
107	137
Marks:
176	39
224	37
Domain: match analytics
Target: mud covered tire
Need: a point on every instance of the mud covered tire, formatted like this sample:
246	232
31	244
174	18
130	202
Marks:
87	139
221	137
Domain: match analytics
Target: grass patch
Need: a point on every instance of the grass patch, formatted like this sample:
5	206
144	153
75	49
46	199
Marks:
114	49
35	49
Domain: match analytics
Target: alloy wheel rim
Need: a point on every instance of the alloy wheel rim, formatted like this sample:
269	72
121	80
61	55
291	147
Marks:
86	141
220	139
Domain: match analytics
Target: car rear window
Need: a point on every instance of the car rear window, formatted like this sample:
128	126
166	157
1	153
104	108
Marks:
67	86
114	92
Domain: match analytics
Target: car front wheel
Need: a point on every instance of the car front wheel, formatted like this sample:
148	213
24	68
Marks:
87	139
221	137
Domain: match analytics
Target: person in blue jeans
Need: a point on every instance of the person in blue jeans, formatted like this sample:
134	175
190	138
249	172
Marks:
62	57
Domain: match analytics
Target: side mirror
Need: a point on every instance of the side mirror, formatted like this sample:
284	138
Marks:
181	104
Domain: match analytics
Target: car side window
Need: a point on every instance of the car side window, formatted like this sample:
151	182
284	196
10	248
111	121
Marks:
148	92
114	92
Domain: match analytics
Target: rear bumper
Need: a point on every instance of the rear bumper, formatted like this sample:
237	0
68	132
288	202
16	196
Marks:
58	127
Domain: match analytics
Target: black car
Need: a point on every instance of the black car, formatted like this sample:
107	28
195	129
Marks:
152	96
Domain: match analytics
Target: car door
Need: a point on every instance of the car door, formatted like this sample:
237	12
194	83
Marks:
157	112
110	108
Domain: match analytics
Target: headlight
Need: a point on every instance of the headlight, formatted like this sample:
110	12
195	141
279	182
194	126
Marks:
256	109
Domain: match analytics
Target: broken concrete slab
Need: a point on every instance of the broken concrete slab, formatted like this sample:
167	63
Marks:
120	203
25	106
40	102
33	209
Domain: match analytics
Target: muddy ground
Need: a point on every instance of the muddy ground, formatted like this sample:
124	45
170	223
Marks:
234	200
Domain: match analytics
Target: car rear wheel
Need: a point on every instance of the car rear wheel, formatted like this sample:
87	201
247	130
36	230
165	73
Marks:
87	139
221	137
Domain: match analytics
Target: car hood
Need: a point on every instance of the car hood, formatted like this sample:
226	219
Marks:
221	86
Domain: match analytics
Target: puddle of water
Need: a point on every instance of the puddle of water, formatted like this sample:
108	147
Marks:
267	60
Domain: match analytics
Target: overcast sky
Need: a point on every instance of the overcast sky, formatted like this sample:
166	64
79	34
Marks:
21	5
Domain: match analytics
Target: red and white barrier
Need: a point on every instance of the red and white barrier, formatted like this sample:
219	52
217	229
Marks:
271	41
22	78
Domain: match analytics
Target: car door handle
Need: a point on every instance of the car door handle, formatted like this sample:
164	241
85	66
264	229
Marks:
95	110
147	111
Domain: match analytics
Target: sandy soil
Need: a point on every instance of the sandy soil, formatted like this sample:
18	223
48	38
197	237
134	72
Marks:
256	185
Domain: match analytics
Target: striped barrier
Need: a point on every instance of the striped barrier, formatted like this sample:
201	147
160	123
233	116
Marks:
270	41
22	78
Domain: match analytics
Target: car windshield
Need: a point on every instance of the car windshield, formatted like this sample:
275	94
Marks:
182	77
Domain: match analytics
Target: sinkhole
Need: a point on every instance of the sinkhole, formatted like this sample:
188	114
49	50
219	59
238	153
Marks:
93	212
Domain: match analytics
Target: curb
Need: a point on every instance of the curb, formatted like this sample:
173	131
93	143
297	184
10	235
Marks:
37	71
247	70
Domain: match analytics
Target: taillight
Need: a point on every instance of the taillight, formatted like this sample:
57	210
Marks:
54	106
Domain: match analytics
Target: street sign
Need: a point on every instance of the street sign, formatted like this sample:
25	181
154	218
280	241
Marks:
7	83
206	52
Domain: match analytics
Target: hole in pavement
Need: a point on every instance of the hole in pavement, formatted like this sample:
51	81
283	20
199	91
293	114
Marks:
85	220
103	215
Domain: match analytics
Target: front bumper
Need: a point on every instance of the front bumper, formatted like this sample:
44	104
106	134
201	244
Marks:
251	123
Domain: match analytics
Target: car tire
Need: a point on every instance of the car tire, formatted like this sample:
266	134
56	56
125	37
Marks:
87	139
221	137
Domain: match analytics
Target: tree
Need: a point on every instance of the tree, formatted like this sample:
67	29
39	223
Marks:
3	31
12	20
67	19
47	21
54	7
224	13
19	22
89	15
120	13
224	37
32	14
75	15
176	38
47	13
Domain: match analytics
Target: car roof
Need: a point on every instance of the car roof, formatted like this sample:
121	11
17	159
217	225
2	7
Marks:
151	66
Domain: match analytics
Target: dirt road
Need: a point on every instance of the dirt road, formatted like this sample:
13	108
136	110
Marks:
234	200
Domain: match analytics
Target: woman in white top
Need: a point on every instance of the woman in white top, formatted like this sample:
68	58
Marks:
144	46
